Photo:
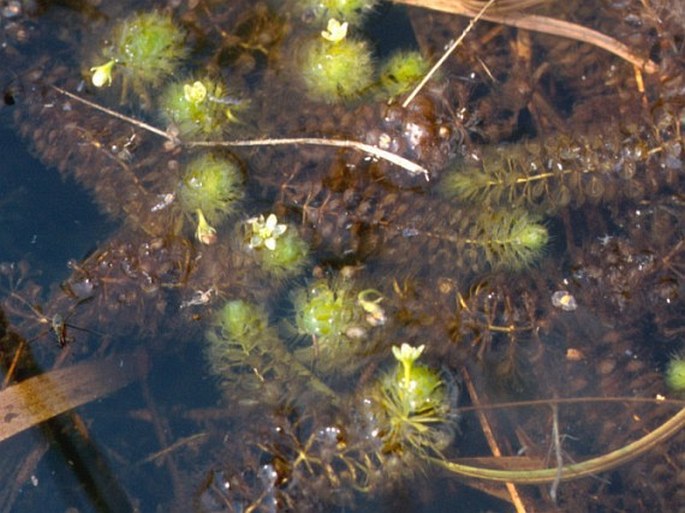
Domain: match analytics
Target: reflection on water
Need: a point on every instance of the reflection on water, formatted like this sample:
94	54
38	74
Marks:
313	328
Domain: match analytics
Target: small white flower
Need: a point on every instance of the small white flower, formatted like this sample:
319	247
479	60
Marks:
265	233
335	31
407	354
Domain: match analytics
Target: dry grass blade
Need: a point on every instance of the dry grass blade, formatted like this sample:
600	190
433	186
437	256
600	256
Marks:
42	397
500	6
508	13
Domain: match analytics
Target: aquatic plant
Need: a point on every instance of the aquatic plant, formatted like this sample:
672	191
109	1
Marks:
329	312
238	340
413	406
334	67
675	374
509	239
200	107
401	72
300	449
244	350
557	172
281	251
351	11
325	311
374	438
503	239
210	187
144	48
242	322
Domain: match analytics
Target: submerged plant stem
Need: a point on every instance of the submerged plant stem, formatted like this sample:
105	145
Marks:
492	441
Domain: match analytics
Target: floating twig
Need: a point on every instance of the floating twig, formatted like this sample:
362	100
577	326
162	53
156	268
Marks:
411	167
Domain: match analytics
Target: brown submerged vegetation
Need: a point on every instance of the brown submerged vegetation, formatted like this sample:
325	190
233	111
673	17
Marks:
518	130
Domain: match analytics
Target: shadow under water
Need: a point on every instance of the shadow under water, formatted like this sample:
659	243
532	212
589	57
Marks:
299	322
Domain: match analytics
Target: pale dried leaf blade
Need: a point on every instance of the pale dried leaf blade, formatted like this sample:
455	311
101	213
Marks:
42	397
471	7
510	14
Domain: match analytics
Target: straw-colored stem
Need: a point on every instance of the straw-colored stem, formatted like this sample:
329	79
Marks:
576	470
447	53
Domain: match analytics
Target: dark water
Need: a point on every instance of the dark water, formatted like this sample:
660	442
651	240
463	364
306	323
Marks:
46	220
615	245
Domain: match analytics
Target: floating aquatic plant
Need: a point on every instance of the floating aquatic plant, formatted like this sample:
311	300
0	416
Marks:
200	107
210	188
319	11
145	49
413	406
281	251
334	67
401	72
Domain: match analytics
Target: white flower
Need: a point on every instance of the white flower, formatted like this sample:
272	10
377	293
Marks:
407	354
335	31
265	233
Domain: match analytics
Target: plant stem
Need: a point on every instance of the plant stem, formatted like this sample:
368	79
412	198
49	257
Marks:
575	470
